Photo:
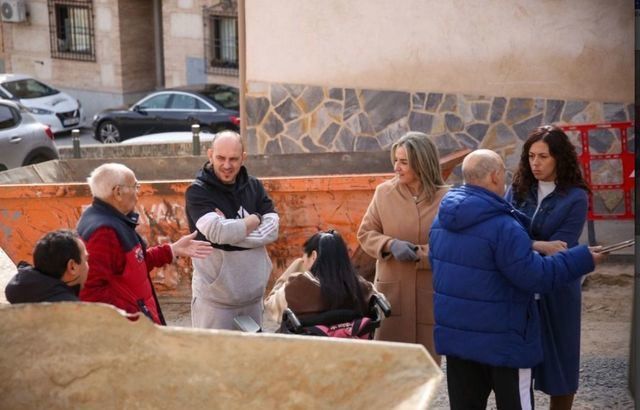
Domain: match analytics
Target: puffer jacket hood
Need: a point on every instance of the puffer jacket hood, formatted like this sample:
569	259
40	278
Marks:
470	205
31	286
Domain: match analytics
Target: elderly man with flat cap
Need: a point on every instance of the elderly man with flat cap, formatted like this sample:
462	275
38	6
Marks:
119	259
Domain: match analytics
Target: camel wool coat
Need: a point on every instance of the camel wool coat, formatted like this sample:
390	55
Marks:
395	214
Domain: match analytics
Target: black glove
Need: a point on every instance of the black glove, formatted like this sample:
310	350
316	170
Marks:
403	251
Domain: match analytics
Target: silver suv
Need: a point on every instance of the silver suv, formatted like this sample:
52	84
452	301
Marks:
23	140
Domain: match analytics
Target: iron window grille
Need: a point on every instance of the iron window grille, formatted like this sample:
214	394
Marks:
221	38
71	30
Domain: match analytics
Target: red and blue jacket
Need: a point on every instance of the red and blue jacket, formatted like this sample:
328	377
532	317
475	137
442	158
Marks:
119	262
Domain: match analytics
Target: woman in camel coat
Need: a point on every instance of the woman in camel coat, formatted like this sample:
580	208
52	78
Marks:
395	231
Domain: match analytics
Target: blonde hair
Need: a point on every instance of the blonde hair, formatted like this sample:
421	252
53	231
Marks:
105	177
424	160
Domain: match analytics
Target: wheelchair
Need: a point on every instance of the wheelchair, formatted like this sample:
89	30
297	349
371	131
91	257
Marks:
341	323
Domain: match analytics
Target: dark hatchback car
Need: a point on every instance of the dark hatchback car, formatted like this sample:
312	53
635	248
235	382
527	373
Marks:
213	106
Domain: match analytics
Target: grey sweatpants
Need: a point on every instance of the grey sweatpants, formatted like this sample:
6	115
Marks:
205	314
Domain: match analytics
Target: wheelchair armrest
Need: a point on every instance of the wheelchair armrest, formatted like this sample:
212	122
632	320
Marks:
289	317
382	303
246	323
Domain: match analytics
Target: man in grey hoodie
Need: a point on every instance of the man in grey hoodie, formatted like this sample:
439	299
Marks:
230	209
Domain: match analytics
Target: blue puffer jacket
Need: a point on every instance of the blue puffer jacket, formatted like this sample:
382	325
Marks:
484	277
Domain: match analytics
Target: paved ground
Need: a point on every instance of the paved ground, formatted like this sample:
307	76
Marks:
86	138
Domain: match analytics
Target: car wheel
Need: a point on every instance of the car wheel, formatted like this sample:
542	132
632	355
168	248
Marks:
108	132
38	159
208	130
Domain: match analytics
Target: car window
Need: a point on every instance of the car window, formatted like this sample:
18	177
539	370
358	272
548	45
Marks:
226	97
159	101
28	88
200	105
4	95
8	117
183	102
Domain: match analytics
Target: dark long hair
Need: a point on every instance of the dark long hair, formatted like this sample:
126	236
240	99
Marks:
338	279
568	172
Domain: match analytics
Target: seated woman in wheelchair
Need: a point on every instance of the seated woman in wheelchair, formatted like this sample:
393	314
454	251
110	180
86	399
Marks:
322	280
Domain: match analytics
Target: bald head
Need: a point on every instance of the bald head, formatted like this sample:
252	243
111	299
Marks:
484	168
228	138
226	156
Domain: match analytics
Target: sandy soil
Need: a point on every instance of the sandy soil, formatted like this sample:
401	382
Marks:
606	306
607	301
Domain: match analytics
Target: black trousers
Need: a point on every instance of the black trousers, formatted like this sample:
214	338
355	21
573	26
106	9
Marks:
470	384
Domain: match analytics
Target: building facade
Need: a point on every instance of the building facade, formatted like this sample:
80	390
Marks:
357	75
109	53
336	76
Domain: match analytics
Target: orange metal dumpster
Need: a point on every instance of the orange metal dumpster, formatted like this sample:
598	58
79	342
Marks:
305	205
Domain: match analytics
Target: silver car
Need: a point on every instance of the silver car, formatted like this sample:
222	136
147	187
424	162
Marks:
23	140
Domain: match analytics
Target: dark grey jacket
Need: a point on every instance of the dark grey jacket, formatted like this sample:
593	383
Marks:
31	286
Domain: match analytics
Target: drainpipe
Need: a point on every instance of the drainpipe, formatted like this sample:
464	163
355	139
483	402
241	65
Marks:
242	68
158	43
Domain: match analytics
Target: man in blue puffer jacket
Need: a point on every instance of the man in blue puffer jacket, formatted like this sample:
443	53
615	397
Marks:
485	274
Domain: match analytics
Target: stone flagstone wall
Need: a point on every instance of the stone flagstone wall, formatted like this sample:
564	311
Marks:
297	118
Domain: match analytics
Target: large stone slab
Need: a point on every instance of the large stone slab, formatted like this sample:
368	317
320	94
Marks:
77	355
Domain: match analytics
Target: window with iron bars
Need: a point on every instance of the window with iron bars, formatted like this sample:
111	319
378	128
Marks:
221	43
71	29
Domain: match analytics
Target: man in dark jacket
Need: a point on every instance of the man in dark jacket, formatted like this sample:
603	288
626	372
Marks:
119	260
59	271
485	274
230	209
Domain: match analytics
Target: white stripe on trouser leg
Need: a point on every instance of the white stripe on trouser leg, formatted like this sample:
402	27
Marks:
524	381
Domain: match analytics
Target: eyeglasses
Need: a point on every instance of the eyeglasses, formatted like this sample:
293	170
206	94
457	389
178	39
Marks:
135	186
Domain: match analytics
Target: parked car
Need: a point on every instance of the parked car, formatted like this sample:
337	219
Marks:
23	140
58	110
213	106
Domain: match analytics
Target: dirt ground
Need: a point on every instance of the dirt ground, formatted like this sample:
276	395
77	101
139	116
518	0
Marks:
606	306
607	301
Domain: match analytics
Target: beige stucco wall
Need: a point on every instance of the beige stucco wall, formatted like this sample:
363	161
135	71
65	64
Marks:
123	46
137	45
124	69
183	37
27	50
570	49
